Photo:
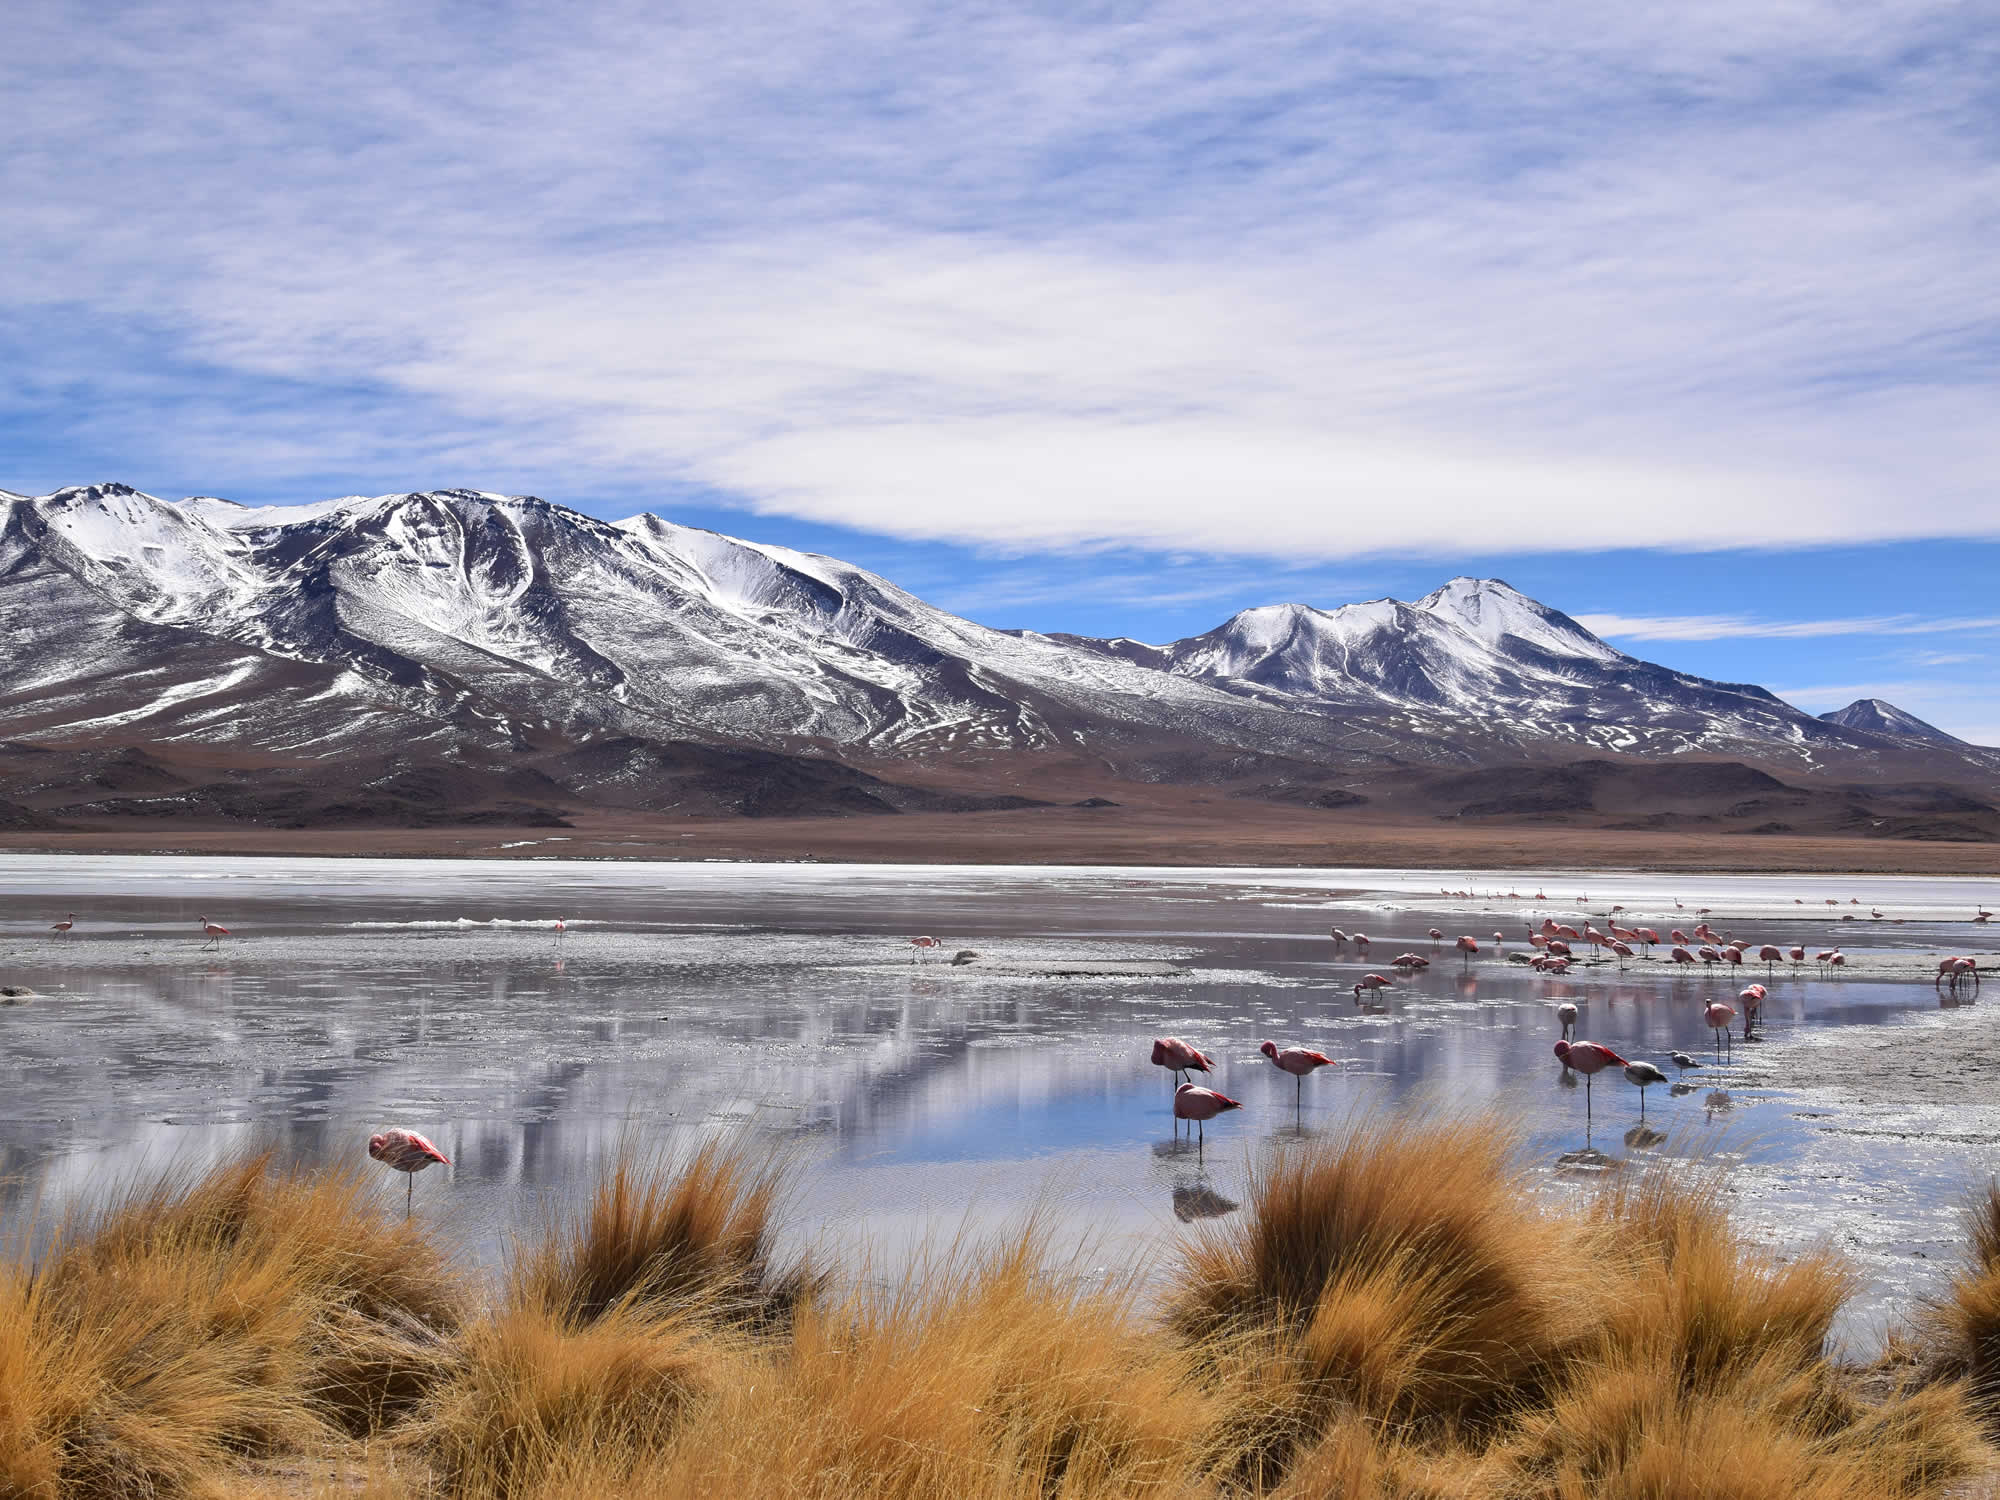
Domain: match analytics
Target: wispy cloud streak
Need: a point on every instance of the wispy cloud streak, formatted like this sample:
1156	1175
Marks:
1298	283
1731	627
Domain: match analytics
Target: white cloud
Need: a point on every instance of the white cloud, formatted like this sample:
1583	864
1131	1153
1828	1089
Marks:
1729	627
1433	278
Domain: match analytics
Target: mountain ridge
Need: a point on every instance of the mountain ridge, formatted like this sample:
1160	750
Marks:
468	623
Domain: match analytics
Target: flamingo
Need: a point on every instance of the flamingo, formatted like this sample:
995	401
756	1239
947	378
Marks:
1680	955
1681	937
1682	1061
1623	950
212	932
1436	935
1171	1052
1199	1104
561	928
1768	955
1718	1014
405	1151
1468	946
1645	1075
61	929
1371	982
1587	1058
1566	1013
1838	959
921	945
1360	941
1297	1061
1558	948
1339	938
1797	953
1752	998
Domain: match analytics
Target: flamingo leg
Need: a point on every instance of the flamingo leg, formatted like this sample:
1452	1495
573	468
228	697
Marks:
409	1194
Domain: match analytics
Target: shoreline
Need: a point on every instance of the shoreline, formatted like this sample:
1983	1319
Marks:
1240	835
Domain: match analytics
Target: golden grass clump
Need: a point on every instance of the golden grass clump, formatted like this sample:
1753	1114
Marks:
1402	1273
670	1234
1962	1330
1708	1374
249	1310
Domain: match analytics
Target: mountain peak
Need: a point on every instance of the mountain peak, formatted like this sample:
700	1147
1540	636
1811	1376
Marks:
1492	610
1880	717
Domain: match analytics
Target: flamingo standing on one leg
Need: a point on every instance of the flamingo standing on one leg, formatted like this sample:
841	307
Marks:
1587	1058
405	1151
1682	1061
212	931
1467	946
562	928
1192	1102
61	929
1297	1061
1645	1075
1769	955
919	946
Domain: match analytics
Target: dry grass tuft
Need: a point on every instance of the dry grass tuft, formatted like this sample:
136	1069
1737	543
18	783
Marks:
246	1311
670	1234
1962	1330
1402	1274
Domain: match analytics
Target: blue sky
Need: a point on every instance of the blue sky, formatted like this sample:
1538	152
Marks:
1112	317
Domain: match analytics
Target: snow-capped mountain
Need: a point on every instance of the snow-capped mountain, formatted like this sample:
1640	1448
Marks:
1877	717
462	621
1477	650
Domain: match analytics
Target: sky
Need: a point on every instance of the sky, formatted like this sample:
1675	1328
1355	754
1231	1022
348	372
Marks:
1111	317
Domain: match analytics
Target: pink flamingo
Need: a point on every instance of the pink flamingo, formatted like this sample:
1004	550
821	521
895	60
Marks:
1837	959
1436	935
1623	950
1370	982
1173	1053
1559	949
922	945
1797	953
1680	955
61	929
1768	955
212	932
1297	1061
1200	1105
1360	941
1681	937
1589	1059
1719	1014
1339	938
1752	998
561	928
1468	946
405	1151
1956	969
1566	1013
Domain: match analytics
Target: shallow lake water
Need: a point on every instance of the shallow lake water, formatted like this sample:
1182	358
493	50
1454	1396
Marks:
916	1098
